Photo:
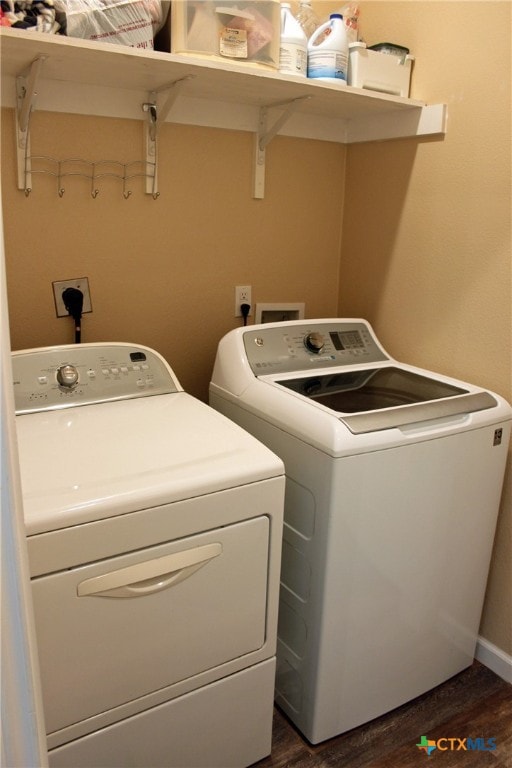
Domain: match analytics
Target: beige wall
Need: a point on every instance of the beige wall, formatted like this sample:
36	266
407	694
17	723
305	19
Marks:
425	253
163	272
426	250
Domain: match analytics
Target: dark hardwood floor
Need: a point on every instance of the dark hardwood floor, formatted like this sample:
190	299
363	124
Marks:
474	704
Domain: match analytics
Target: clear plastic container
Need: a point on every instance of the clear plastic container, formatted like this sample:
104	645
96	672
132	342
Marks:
307	18
232	31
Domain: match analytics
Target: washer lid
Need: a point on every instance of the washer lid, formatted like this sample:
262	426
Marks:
372	389
370	400
97	461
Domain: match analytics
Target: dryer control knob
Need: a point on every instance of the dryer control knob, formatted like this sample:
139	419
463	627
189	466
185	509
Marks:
67	376
314	341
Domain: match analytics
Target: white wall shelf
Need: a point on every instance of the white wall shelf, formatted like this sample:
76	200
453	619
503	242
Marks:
85	77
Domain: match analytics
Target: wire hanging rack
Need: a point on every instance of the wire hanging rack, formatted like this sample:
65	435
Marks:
26	94
93	171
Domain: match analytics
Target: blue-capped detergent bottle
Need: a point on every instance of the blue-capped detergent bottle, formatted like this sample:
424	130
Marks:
328	51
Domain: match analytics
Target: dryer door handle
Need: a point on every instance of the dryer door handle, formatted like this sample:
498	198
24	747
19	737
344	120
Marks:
150	576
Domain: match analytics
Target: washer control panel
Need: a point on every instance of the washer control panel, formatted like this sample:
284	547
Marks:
299	346
82	374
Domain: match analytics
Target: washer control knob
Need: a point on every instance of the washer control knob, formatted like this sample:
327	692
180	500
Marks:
67	376
314	341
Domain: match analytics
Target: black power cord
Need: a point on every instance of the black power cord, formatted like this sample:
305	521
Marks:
73	300
245	309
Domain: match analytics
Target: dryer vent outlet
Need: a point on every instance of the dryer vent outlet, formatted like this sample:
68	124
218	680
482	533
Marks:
279	313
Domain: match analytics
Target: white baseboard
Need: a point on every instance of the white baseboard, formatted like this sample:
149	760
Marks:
494	658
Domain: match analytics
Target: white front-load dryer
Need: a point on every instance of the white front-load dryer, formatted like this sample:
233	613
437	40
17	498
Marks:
393	484
154	529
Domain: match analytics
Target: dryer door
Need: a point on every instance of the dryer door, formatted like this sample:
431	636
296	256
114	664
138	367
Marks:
113	631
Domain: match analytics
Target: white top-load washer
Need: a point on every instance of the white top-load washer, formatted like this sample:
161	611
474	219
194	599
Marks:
154	529
394	476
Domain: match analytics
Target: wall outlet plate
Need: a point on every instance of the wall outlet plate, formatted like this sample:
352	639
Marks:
242	296
59	286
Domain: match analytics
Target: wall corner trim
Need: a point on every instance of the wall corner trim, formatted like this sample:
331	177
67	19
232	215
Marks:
494	658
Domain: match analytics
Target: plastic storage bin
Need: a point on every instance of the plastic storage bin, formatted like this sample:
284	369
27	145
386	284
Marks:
376	71
242	31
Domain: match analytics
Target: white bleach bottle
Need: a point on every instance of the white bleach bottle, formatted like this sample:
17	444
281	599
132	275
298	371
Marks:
328	51
293	47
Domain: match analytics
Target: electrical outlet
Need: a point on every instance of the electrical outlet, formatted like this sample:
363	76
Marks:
242	296
59	286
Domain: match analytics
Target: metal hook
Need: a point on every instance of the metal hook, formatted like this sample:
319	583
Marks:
94	192
28	190
60	188
126	192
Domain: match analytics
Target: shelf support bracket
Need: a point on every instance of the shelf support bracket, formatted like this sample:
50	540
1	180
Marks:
264	136
26	94
155	117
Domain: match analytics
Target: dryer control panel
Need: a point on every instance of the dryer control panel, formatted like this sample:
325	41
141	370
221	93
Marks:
82	374
298	346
